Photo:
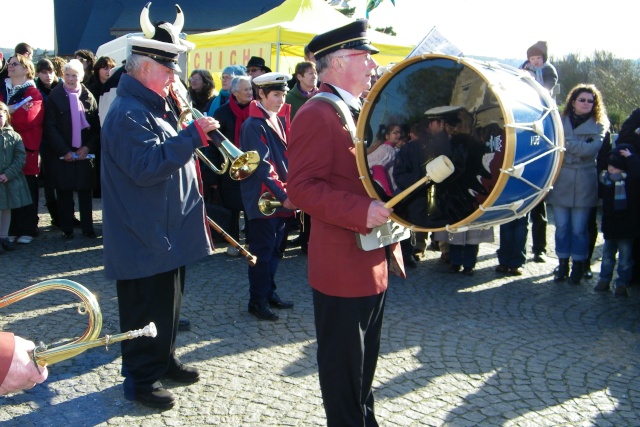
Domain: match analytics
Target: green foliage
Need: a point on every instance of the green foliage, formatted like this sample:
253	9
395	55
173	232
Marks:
387	30
617	79
347	11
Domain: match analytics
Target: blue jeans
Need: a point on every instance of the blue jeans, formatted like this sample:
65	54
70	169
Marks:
464	255
572	234
624	248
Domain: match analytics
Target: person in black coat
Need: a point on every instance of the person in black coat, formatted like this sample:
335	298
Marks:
71	132
620	205
231	115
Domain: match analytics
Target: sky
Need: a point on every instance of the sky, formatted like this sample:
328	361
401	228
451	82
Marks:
492	28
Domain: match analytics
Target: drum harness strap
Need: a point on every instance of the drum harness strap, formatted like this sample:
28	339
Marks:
385	234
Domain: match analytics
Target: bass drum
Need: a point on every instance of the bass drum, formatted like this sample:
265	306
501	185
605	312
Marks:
506	147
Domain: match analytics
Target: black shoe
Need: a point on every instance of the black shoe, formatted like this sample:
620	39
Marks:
587	273
295	242
468	271
158	397
262	311
276	302
539	257
68	236
183	374
409	261
7	245
455	269
502	269
55	224
561	273
76	223
184	325
577	271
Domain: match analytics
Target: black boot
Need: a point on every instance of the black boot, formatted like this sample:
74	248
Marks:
577	271
561	273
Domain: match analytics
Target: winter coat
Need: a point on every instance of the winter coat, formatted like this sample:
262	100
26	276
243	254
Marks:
624	223
228	187
15	192
29	123
259	135
325	183
78	175
577	183
471	237
152	212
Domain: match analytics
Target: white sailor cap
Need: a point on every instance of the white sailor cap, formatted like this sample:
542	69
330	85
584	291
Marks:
166	54
274	80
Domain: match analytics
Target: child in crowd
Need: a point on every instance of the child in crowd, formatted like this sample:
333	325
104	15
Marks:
542	70
14	191
620	224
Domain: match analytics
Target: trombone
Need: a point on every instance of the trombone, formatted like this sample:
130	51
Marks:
42	355
240	164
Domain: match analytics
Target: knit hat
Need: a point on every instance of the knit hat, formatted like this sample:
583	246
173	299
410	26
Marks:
538	49
235	70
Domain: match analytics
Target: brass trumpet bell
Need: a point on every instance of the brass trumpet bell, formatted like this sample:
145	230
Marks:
240	164
268	204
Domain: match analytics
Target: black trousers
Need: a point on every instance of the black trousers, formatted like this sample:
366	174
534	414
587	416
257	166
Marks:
149	299
24	220
348	334
66	210
538	217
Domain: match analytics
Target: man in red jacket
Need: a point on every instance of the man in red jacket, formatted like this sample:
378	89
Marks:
349	284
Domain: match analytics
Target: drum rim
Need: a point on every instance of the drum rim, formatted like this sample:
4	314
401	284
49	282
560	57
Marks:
509	144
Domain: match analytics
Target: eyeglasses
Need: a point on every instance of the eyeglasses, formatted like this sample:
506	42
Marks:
13	64
367	58
590	101
195	79
253	70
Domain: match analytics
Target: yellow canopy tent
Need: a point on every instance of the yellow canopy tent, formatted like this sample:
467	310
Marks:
279	36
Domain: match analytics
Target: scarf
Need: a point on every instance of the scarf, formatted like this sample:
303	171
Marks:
578	119
15	92
241	112
538	72
619	192
78	119
215	104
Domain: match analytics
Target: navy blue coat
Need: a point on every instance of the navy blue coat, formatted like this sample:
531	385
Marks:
153	214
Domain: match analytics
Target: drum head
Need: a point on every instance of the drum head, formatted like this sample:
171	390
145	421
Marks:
484	112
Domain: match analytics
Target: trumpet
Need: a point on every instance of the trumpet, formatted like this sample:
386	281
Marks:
240	164
44	356
268	204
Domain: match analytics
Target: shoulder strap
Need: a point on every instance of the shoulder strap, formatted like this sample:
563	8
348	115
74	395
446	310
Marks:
341	108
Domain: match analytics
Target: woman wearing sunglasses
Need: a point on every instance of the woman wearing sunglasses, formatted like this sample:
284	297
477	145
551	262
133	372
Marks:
575	192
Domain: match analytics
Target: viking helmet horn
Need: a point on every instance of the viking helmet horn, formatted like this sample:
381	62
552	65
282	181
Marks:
179	22
148	28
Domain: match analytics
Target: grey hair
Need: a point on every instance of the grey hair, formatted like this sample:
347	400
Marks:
323	63
236	82
76	66
134	62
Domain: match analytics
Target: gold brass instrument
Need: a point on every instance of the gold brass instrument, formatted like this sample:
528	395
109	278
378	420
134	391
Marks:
240	164
44	356
268	204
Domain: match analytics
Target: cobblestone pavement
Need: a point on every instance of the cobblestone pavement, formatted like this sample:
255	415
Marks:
485	350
